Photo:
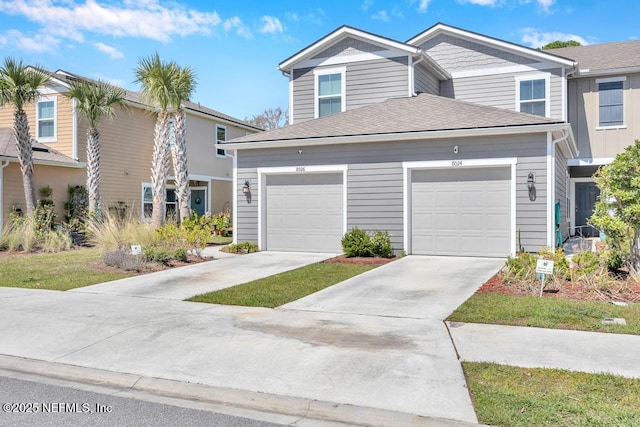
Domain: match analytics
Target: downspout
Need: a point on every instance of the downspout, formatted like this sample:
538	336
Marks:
5	163
74	131
290	77
413	75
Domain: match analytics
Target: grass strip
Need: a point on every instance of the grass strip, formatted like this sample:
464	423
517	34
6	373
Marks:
519	397
279	289
55	271
553	313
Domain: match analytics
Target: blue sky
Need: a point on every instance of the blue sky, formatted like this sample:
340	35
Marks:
235	46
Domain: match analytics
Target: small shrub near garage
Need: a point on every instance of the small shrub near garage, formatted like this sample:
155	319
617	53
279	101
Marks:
358	243
241	248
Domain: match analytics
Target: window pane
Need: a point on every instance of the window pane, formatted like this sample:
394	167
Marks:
45	110
538	89
221	134
532	89
525	90
329	106
611	103
537	108
171	196
148	210
45	129
330	84
172	134
147	195
221	152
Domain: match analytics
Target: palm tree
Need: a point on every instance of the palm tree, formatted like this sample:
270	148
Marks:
95	101
183	86
156	78
18	87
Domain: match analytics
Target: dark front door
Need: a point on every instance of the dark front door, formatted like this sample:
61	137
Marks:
587	194
198	204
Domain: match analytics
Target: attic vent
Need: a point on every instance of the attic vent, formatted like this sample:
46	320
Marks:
40	149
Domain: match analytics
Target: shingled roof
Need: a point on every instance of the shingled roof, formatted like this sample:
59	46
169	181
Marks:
606	56
42	154
421	113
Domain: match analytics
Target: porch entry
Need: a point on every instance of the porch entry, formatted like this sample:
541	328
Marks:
587	194
199	201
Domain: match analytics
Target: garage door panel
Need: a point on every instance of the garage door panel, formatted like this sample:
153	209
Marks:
461	212
304	212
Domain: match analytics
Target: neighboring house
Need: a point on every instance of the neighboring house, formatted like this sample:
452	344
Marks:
455	142
126	149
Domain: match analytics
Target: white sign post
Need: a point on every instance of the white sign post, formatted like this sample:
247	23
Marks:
544	267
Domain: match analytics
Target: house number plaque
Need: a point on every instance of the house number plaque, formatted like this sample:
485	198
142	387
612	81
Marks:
300	169
456	163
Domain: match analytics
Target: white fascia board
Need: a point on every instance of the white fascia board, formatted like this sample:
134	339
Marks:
435	68
78	165
347	59
487	41
402	136
609	72
219	120
338	35
511	69
588	161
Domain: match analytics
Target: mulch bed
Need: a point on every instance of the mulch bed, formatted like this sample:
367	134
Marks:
620	290
342	259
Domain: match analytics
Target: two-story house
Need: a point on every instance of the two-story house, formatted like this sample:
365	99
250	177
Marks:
59	152
455	142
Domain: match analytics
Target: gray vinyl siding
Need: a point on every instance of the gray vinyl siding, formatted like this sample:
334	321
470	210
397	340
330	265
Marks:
348	46
367	82
499	90
456	54
425	82
246	226
562	191
375	179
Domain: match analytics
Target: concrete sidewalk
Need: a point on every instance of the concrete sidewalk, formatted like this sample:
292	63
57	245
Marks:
185	282
591	352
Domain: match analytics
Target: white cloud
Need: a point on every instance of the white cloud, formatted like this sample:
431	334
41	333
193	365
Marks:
422	5
537	39
38	43
381	16
292	16
116	82
367	4
109	50
143	18
271	25
241	29
490	3
545	5
396	12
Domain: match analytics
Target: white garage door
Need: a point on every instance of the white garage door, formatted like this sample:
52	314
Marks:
464	212
304	213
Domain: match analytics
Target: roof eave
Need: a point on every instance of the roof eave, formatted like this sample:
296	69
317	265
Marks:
288	64
75	165
504	45
400	136
607	72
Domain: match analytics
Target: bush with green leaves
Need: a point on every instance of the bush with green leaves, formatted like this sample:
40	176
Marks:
241	248
521	269
617	212
359	243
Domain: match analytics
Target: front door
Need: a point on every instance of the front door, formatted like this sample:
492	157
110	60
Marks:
198	204
587	194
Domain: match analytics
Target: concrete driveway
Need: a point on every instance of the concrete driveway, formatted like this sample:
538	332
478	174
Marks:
419	287
185	282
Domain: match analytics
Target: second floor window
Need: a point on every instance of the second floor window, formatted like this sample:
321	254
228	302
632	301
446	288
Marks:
611	105
329	91
46	118
533	98
172	134
221	136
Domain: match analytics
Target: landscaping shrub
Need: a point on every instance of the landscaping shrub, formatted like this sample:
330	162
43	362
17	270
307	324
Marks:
111	233
520	269
56	241
241	248
381	244
122	259
161	255
357	243
586	262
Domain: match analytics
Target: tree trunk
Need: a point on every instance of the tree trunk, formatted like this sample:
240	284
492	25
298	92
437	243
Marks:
159	167
183	192
93	171
25	157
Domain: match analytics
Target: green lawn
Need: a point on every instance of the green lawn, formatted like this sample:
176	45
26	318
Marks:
515	397
554	313
57	271
220	240
282	288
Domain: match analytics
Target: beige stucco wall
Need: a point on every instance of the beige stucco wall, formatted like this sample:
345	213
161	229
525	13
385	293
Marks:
58	178
583	115
221	193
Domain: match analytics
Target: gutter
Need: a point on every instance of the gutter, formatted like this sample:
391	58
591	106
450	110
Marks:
77	165
567	137
402	136
608	72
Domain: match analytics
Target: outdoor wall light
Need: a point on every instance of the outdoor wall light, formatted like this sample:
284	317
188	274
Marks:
300	151
246	188
531	186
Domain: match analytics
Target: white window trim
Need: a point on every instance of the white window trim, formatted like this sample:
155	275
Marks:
221	156
343	83
624	104
53	138
142	202
293	170
409	167
547	90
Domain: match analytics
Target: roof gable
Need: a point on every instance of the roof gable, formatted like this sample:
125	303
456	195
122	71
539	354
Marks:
533	54
341	40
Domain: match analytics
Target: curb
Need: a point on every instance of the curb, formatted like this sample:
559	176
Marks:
241	403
